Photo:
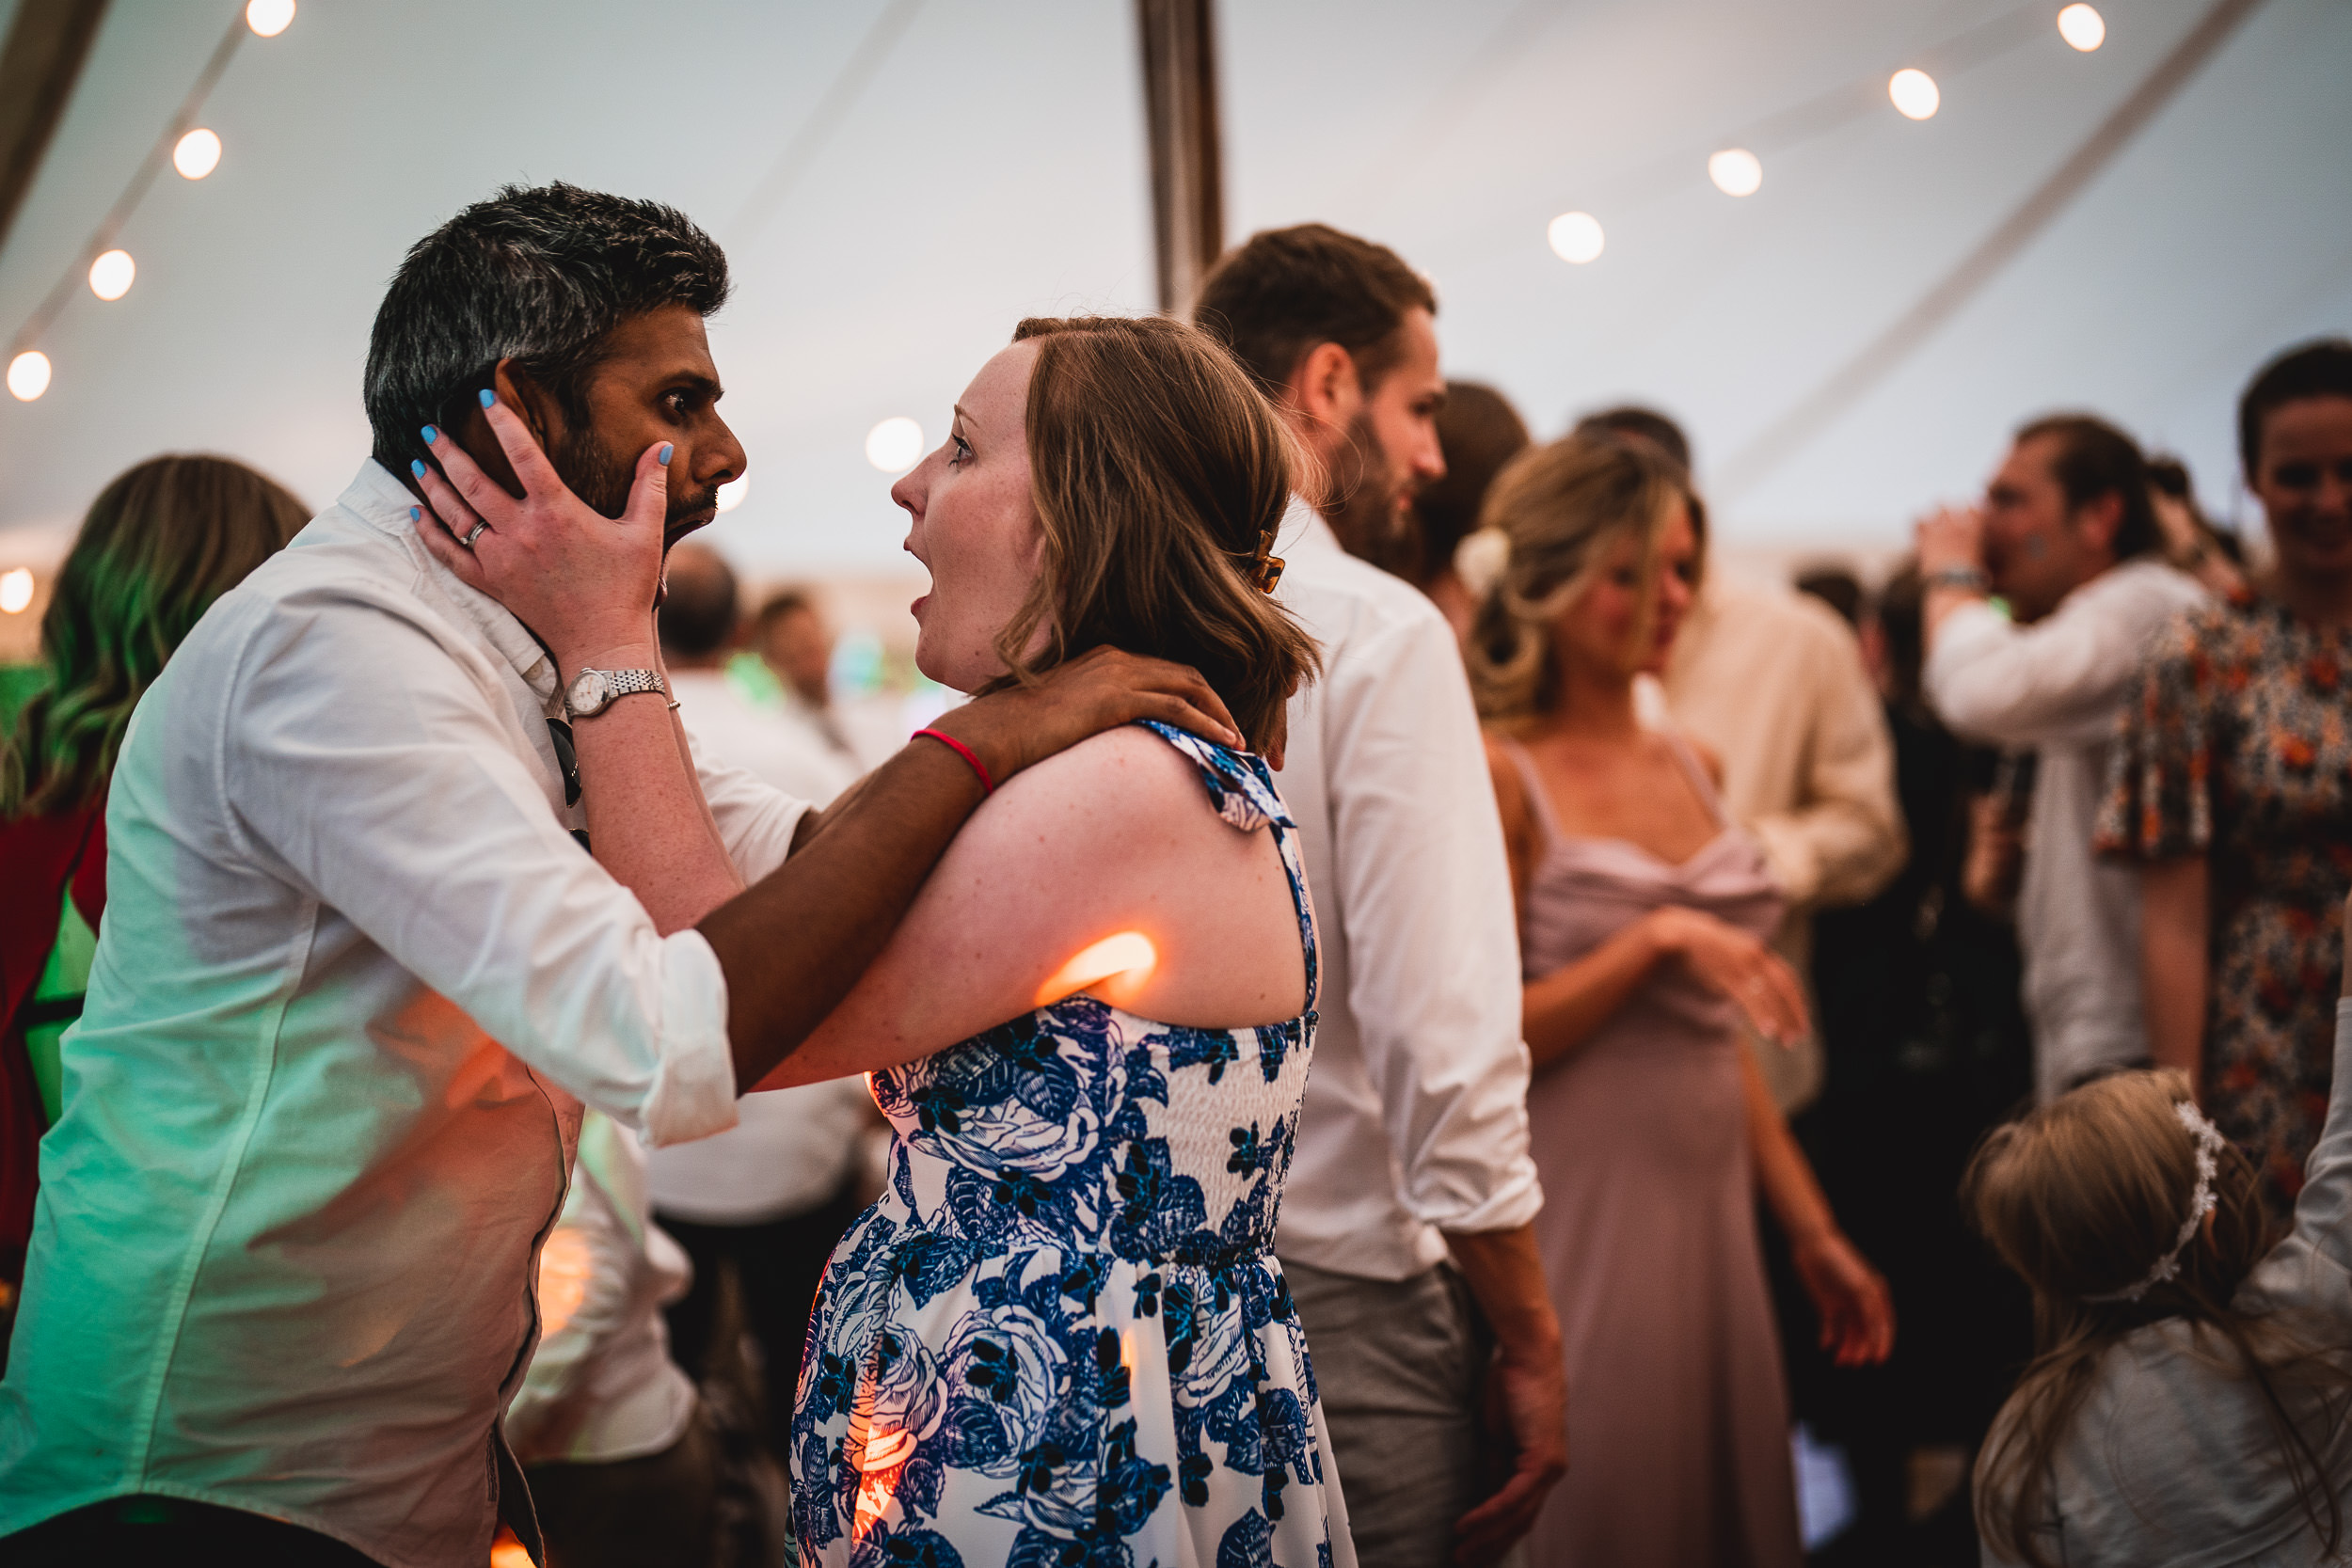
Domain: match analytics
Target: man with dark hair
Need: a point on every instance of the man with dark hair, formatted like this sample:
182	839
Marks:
1411	1191
2067	537
357	975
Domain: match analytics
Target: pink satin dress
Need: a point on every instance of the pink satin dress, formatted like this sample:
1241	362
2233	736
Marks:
1678	1451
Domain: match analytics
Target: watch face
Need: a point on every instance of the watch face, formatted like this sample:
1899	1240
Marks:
585	695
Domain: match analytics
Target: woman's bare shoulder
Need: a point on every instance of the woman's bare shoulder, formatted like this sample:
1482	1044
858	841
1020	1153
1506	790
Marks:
1112	791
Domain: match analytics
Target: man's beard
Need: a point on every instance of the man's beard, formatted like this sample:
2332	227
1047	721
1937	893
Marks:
1369	507
601	478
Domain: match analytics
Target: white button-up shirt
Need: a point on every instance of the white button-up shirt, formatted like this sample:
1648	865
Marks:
1415	1120
320	1108
2057	686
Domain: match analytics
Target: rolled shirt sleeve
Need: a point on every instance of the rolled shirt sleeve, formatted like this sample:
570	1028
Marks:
402	803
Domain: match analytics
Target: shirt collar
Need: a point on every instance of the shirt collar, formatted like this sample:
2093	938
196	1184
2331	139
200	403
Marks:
383	503
1305	528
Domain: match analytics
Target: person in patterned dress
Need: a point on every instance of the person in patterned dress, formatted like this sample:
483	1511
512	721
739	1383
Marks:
2232	786
1061	1337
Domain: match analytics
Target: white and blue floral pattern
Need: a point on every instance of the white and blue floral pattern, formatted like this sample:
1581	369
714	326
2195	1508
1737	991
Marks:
1061	1340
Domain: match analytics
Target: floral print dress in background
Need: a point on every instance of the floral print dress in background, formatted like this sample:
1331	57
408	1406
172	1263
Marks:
1061	1338
2238	750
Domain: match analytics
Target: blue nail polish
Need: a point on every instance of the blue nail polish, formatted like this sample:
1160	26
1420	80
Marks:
416	467
486	398
416	514
430	435
665	455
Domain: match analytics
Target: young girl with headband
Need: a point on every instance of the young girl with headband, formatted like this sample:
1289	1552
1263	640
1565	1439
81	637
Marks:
2190	1399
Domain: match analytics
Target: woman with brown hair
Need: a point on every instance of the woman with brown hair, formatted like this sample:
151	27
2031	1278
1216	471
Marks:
1643	918
2190	1399
158	546
1061	1335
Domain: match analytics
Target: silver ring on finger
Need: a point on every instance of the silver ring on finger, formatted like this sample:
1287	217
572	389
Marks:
474	534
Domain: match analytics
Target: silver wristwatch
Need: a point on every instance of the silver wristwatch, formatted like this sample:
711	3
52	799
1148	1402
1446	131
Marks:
1963	579
592	690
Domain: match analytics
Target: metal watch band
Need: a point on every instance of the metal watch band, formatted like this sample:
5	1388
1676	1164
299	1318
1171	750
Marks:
617	683
1967	579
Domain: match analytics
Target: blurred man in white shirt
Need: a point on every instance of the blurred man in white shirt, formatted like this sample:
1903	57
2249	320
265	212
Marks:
2066	535
768	1197
1408	1214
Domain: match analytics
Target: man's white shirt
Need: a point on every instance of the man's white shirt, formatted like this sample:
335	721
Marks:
1415	1120
354	977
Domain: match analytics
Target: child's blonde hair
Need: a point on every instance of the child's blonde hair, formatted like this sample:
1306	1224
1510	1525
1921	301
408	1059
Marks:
2081	1197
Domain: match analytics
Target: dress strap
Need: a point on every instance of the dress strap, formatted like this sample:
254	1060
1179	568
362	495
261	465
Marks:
1692	769
1538	800
1241	787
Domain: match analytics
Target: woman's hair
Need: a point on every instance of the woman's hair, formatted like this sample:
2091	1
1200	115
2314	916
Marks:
2319	369
2081	1198
160	544
1560	509
1479	433
1157	470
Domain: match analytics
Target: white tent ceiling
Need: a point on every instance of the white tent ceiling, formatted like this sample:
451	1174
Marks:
995	168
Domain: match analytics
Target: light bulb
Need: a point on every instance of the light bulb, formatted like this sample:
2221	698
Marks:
895	445
2082	27
196	154
110	275
16	589
1576	237
731	494
269	18
28	374
1736	171
1915	93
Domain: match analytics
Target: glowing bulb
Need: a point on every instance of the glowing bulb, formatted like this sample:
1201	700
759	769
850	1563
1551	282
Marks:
1915	93
1736	171
731	493
16	589
269	18
895	445
2082	27
1576	237
196	154
28	374
111	274
1128	958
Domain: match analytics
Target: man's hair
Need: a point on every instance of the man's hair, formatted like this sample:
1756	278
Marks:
541	276
1159	475
783	602
1478	431
1289	291
2095	459
701	603
2322	369
1646	424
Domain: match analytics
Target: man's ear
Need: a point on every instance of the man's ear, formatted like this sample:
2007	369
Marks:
1325	390
2098	519
520	391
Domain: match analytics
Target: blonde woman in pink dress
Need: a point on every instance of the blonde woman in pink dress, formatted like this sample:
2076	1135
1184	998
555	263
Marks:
1642	916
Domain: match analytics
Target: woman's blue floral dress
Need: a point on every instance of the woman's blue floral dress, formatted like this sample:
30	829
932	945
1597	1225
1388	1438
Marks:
1061	1340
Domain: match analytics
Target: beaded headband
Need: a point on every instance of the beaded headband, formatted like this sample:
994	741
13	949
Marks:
2201	1203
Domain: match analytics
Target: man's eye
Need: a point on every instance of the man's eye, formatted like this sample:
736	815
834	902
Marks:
2295	476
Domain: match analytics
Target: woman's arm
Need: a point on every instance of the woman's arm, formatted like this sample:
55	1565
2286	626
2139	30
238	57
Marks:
2173	960
1858	1314
1562	1010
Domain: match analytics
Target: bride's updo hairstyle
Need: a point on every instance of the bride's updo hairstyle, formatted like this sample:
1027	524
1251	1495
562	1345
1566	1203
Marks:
1553	515
1156	468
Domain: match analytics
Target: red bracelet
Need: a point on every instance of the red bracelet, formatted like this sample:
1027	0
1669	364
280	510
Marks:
987	785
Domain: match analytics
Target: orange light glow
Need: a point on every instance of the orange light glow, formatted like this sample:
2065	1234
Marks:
507	1552
1118	965
880	1461
564	1266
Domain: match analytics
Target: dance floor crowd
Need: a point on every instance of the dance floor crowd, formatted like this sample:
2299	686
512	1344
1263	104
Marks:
1409	1018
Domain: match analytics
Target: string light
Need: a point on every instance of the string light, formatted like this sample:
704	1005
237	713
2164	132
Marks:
16	590
196	154
28	374
2082	27
269	18
1736	171
731	493
895	445
1576	238
1915	93
110	275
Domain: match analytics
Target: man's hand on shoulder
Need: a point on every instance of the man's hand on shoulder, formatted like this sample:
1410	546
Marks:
1099	689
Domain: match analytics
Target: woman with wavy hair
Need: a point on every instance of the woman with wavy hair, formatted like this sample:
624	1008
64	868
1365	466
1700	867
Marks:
1061	1336
158	546
1644	913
